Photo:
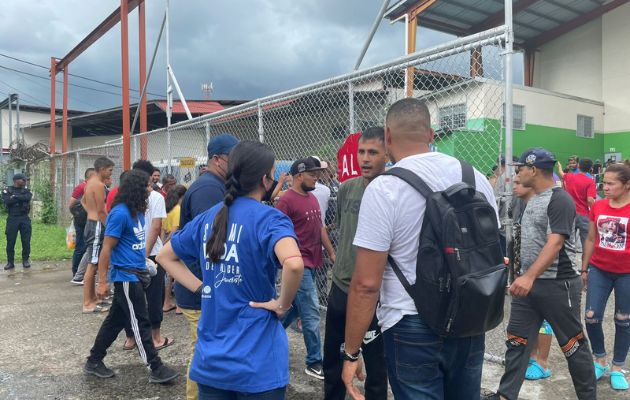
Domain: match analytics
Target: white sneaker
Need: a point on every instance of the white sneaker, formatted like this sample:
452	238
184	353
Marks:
80	283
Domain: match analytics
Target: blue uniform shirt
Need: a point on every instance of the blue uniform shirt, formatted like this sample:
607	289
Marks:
207	191
130	250
239	348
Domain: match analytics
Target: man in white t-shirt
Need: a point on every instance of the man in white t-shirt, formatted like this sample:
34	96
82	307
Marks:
420	363
156	211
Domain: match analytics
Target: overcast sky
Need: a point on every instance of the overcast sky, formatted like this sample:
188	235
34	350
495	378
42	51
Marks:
246	48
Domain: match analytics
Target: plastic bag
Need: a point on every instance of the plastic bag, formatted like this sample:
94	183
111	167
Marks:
71	237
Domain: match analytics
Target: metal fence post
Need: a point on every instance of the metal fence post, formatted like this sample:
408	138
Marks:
207	126
168	144
351	107
261	130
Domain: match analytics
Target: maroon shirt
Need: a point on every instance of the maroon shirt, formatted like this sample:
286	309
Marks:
307	221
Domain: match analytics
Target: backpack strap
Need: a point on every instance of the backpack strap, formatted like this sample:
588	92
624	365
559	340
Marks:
419	185
412	179
468	173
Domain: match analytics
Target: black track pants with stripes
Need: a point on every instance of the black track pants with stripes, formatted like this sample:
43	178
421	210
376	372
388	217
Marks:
129	307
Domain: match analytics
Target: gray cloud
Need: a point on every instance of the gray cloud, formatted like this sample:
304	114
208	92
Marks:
246	48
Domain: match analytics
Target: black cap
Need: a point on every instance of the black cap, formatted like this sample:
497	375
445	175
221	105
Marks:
305	165
537	157
19	176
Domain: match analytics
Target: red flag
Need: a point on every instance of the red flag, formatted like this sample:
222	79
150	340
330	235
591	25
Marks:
347	162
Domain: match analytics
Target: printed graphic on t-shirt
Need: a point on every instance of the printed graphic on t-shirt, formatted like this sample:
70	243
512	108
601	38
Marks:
228	270
613	232
139	232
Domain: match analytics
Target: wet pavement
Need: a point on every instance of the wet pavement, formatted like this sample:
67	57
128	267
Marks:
45	339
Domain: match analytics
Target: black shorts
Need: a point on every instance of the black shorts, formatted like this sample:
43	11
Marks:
94	233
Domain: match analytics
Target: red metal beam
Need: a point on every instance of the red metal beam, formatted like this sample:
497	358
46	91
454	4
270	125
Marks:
124	51
142	49
64	115
97	33
573	24
53	116
530	59
498	17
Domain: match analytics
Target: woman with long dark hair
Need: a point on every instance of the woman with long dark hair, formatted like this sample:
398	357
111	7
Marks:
606	267
124	249
242	349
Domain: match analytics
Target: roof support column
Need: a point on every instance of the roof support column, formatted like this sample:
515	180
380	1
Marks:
53	132
142	79
530	60
412	25
64	118
476	62
124	46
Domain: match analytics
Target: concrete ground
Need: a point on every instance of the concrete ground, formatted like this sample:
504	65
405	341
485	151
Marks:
46	339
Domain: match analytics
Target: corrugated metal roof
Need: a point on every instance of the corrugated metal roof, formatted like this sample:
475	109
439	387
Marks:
532	18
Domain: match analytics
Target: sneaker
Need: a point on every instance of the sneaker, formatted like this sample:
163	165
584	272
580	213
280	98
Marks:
9	266
315	370
163	374
75	282
26	263
98	369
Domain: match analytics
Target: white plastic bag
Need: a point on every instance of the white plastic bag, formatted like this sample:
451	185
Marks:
71	237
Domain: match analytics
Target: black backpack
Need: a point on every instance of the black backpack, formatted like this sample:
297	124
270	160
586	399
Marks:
460	273
79	214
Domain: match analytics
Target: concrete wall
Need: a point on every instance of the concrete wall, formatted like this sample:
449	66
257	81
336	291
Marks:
616	69
572	63
26	117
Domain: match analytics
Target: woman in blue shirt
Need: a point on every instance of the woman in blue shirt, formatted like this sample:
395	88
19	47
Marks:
124	249
242	349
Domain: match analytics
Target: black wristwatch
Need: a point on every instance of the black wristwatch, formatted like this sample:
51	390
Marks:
347	356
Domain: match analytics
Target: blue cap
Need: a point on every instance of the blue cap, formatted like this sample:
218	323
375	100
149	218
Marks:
537	157
221	144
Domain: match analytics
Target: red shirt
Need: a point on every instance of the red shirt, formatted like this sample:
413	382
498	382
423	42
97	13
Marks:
110	198
307	221
79	190
612	251
580	187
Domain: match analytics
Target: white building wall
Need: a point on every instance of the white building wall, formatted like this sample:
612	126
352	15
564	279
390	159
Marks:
572	63
616	68
26	117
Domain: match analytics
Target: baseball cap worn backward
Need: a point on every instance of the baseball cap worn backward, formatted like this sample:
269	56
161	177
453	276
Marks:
305	165
221	144
537	157
19	176
323	164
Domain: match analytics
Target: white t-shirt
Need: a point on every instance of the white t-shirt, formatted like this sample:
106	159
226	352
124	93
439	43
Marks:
155	209
390	219
322	194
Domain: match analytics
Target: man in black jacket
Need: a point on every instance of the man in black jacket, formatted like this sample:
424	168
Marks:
17	199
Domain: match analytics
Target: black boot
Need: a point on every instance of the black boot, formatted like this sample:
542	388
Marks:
26	263
9	266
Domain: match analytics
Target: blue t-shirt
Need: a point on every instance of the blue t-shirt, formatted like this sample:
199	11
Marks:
239	348
207	191
130	250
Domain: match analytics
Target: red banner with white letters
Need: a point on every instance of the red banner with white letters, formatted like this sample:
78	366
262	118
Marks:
347	162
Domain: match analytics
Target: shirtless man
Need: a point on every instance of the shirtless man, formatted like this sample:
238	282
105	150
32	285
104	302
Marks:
93	201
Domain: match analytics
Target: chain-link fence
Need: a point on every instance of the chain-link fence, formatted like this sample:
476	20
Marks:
461	82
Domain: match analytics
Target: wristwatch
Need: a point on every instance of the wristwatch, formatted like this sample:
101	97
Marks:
347	356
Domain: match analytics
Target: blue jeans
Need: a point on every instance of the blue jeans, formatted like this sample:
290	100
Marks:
210	393
423	365
306	306
79	248
600	284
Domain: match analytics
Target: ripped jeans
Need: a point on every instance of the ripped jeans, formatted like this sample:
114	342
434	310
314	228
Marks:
600	284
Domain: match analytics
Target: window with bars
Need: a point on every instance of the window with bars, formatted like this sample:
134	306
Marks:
585	126
518	117
452	117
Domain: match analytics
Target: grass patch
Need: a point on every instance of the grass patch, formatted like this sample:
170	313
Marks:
48	243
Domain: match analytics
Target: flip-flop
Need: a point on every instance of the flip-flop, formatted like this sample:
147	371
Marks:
169	309
167	342
618	381
98	309
535	371
178	312
600	370
126	348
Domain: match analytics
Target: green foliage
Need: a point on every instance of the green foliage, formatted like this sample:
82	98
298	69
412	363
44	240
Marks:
48	243
45	194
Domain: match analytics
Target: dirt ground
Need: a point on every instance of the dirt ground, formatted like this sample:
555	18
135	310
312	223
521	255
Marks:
46	339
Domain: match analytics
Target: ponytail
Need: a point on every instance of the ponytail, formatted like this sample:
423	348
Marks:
214	246
249	161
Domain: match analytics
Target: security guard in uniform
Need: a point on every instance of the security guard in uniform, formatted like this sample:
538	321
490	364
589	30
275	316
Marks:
17	199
